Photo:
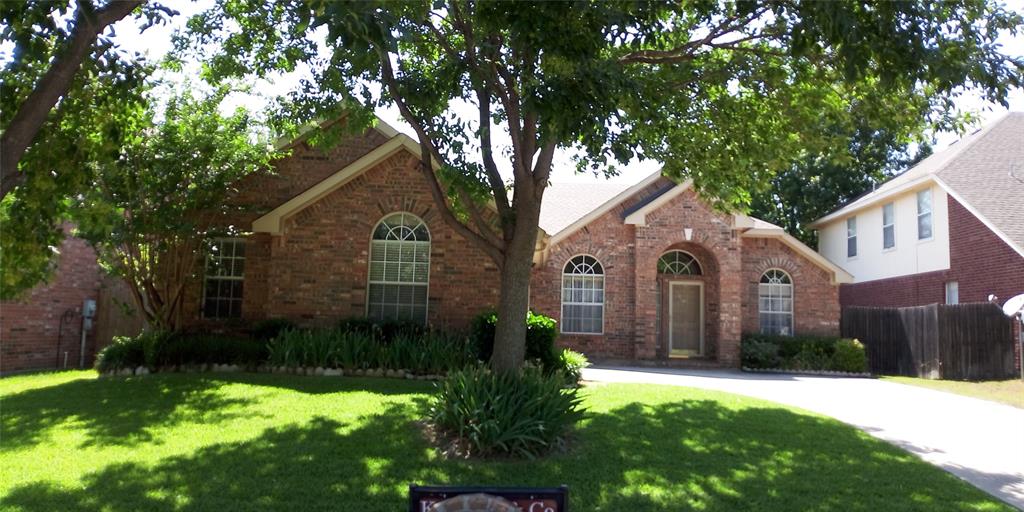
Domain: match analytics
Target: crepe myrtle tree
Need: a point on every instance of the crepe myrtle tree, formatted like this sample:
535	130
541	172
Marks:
723	93
151	213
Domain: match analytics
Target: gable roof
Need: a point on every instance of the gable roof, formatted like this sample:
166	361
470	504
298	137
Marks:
984	172
566	208
988	179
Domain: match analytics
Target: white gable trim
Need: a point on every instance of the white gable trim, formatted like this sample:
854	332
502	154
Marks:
603	209
865	203
992	227
839	275
639	217
272	222
940	161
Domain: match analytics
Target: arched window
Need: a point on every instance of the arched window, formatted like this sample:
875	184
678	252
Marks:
583	296
775	302
678	263
399	269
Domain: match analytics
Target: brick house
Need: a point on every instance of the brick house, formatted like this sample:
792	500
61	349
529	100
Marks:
645	273
948	230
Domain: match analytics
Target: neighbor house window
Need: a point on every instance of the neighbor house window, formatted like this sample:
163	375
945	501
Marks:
399	269
888	226
953	292
224	278
775	302
924	214
851	237
583	296
678	263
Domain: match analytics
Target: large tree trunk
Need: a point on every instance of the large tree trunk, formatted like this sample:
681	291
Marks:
510	333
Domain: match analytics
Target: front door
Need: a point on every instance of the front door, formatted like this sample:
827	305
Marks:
685	322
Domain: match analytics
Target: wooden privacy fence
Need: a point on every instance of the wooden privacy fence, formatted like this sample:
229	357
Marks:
938	341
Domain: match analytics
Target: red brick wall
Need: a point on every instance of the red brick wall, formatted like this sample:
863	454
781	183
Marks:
979	260
634	302
610	241
30	327
713	237
315	272
815	298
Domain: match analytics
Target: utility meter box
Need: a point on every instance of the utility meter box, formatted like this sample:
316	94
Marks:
88	313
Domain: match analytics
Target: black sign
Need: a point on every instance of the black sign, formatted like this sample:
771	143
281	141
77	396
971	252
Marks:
536	499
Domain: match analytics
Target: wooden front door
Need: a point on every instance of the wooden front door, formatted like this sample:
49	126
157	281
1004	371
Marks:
686	319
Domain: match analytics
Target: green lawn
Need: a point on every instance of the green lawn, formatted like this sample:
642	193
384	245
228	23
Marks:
1010	392
225	442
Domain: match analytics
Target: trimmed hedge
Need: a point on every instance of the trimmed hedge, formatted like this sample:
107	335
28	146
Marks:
357	344
802	353
157	349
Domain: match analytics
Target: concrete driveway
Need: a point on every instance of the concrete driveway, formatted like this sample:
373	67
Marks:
979	441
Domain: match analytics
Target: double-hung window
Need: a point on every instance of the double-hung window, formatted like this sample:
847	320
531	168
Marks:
851	237
224	278
888	226
583	296
924	214
399	269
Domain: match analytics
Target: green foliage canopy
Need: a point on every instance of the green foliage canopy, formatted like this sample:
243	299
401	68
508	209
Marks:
150	212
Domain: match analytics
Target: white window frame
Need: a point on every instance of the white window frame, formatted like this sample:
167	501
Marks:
207	277
379	282
931	216
851	234
692	268
792	301
891	225
952	292
562	290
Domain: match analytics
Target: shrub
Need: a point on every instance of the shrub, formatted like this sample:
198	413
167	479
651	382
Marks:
803	353
123	352
386	331
759	354
850	356
266	330
541	332
431	352
509	413
812	356
571	365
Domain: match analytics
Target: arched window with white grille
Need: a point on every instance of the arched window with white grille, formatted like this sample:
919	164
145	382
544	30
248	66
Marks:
678	263
399	269
775	302
583	296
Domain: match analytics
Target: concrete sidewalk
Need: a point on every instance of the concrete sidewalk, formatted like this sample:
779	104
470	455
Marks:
979	441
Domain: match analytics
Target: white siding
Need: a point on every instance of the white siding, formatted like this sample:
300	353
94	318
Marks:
910	256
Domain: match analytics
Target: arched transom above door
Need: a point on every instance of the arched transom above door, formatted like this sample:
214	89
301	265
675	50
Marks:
678	263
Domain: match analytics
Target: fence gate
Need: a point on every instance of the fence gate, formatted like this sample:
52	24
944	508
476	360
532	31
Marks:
938	341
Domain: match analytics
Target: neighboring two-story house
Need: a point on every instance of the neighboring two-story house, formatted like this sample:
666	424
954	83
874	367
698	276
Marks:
948	230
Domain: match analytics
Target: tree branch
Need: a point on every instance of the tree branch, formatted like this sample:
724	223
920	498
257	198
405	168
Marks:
428	154
54	84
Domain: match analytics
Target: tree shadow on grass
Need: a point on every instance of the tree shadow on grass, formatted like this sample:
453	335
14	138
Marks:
113	411
121	411
686	455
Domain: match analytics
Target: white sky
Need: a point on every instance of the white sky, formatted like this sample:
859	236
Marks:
156	42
